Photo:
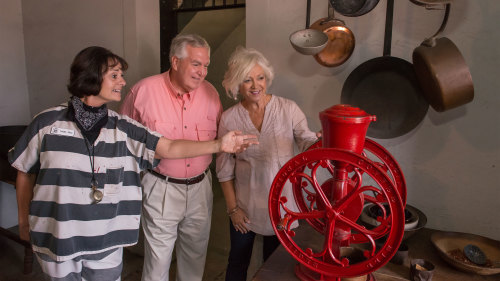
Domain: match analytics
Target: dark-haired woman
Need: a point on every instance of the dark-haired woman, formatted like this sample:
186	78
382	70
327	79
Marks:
79	164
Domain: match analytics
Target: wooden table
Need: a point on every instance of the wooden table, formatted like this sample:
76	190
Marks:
280	265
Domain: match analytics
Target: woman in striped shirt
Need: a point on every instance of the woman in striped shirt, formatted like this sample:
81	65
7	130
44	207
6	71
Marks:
79	163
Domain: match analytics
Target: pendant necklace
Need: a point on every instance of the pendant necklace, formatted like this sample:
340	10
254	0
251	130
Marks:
96	194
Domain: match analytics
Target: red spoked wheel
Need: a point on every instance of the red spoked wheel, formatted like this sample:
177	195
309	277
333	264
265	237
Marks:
379	243
307	199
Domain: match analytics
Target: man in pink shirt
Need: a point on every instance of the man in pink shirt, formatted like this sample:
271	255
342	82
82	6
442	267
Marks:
177	195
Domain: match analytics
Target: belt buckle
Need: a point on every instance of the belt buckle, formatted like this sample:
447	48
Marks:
190	181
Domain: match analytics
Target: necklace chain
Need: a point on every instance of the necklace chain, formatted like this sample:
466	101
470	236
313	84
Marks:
91	159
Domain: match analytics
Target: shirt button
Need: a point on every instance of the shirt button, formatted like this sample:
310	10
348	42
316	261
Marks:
185	127
184	108
188	165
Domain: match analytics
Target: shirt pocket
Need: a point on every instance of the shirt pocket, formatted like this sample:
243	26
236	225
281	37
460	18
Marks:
113	185
168	130
206	130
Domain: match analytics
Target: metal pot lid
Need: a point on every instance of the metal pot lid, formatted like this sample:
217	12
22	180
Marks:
346	113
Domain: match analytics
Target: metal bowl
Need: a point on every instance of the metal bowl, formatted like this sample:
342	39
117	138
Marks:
411	227
308	41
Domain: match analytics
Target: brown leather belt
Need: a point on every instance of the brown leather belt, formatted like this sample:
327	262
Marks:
188	181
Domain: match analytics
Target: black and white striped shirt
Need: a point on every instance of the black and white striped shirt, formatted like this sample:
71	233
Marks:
64	222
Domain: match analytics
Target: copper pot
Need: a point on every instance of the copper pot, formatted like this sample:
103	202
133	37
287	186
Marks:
340	44
442	72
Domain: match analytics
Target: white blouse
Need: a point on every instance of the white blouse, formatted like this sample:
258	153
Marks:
254	170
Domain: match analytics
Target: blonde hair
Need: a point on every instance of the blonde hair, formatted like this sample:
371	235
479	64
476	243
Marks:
240	63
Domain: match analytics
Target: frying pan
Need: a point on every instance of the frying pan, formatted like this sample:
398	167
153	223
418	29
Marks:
442	72
388	88
353	8
341	40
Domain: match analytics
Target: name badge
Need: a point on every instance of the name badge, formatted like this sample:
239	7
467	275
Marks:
62	132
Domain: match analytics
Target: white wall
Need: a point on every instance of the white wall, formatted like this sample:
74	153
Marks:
56	30
40	40
141	40
451	160
220	56
14	108
14	105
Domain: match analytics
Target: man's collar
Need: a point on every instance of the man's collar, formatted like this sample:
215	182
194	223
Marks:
173	90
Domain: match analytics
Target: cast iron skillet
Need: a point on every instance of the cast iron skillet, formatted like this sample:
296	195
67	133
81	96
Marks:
353	8
388	88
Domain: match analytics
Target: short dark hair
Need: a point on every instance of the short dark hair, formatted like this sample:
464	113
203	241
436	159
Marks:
86	71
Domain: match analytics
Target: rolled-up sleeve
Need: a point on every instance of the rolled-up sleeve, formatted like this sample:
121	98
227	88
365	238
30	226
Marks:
304	137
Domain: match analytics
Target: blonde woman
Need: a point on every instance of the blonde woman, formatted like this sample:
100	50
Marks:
246	177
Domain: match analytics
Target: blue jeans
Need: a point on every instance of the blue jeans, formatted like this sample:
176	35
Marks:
241	252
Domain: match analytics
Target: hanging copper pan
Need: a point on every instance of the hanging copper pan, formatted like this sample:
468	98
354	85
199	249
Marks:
442	72
340	40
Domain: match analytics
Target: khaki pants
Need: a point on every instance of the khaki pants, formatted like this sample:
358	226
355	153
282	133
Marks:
175	213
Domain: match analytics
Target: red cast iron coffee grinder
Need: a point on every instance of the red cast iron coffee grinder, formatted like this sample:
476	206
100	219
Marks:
331	182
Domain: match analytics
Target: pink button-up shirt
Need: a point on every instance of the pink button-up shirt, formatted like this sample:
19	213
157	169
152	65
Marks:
155	103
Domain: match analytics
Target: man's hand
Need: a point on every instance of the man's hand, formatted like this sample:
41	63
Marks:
235	142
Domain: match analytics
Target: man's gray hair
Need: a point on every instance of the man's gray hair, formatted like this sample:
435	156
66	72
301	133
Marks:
179	43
